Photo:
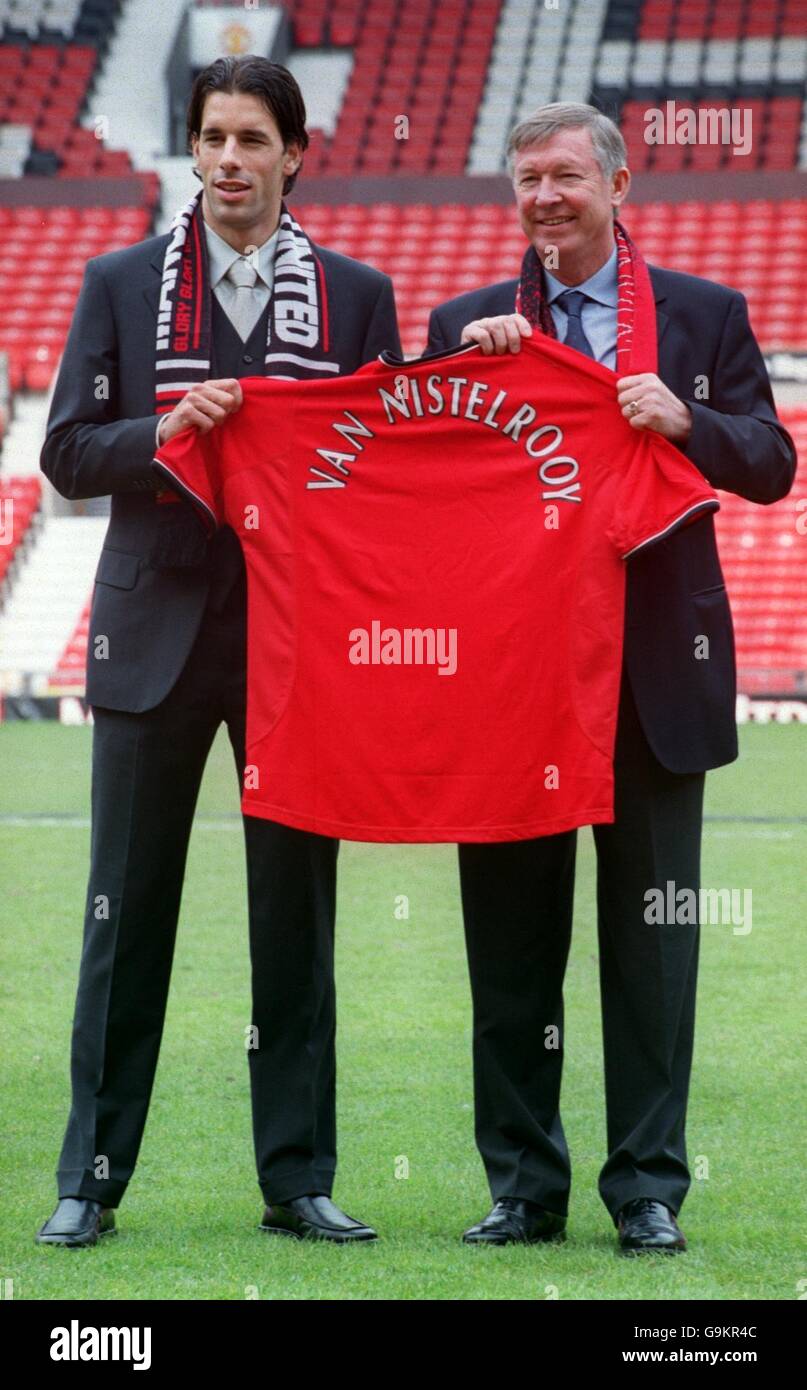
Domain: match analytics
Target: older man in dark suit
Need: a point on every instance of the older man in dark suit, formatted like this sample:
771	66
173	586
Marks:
712	398
166	661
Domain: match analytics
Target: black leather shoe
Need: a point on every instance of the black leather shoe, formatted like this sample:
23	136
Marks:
514	1219
77	1221
645	1224
314	1217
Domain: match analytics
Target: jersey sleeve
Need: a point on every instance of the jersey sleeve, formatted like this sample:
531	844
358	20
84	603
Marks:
192	464
659	491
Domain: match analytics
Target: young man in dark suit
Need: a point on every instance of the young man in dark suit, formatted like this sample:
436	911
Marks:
166	659
712	398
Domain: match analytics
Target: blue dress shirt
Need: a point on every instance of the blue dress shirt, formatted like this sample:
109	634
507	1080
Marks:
598	315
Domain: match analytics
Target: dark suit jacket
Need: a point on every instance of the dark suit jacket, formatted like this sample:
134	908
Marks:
675	589
101	442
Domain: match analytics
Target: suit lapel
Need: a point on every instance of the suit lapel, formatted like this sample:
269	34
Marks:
662	319
151	291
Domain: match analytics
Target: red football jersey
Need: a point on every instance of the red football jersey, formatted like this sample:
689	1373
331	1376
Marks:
435	555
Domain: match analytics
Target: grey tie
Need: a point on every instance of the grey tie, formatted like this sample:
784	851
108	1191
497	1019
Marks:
242	304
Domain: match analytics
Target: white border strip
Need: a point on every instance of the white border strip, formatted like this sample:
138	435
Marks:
200	501
710	506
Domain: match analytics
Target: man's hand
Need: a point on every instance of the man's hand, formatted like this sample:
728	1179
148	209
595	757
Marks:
502	333
648	404
203	406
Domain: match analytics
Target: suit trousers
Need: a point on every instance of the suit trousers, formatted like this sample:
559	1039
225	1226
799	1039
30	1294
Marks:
146	773
517	902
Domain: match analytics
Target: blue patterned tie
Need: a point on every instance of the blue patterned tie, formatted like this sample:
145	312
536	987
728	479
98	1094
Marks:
572	301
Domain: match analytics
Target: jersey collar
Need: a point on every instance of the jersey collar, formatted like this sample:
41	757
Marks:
390	359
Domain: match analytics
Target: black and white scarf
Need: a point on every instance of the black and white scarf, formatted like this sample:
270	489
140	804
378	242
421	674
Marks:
297	330
297	339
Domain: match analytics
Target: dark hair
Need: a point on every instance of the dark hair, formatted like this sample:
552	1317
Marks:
271	83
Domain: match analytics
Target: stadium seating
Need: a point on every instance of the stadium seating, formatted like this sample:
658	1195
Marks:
421	61
51	584
631	55
19	503
774	126
731	19
435	252
762	554
417	245
69	671
44	88
461	72
40	279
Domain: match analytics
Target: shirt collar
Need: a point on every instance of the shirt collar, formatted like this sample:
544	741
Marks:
221	256
602	285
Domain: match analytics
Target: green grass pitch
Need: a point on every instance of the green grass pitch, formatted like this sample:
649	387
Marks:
188	1224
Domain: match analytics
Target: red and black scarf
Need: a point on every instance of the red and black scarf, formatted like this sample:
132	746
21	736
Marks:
636	337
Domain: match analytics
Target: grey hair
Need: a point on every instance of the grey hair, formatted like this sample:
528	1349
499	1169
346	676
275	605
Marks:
545	121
